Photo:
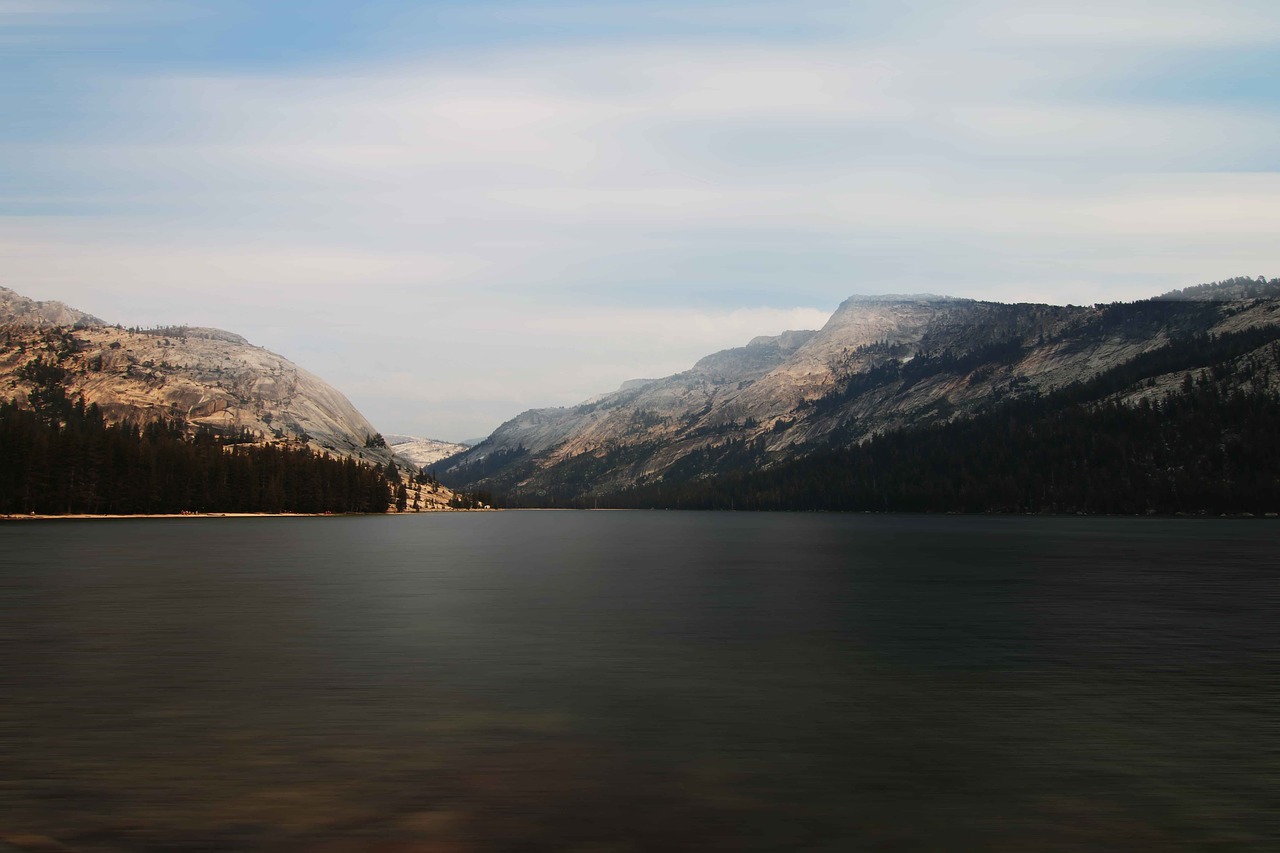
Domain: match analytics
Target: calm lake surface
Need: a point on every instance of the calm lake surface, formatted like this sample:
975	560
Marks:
612	681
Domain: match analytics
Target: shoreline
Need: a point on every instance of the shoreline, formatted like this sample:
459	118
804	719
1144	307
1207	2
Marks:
105	517
1270	516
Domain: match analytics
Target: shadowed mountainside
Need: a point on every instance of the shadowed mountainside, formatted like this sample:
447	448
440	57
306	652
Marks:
879	365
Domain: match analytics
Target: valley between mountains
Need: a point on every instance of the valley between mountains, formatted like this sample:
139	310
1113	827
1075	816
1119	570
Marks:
898	403
871	411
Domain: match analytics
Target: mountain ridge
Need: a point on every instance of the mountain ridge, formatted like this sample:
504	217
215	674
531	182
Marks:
206	378
422	452
879	364
19	310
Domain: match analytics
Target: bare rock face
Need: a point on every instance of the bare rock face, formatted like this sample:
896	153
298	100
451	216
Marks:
204	377
18	310
422	452
880	363
643	408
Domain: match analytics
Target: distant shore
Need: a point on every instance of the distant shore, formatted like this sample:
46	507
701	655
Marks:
84	516
1271	516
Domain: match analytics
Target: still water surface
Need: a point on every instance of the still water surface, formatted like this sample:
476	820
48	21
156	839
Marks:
539	681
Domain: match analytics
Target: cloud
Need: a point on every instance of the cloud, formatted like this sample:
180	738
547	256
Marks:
509	224
1138	22
27	15
26	11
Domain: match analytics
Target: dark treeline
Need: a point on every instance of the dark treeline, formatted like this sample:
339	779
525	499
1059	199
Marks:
1240	287
1194	451
1207	446
63	458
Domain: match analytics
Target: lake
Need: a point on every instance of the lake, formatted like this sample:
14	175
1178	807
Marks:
640	681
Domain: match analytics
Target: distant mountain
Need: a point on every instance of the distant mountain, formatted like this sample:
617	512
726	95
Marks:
880	365
422	452
18	310
1227	291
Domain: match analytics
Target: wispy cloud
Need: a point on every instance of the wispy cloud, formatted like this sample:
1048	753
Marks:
1183	23
566	184
27	11
29	15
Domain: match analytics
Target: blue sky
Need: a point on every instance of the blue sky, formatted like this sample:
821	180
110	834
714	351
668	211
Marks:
454	211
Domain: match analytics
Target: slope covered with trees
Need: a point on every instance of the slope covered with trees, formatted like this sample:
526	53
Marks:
63	458
1206	446
203	377
879	365
1162	405
104	419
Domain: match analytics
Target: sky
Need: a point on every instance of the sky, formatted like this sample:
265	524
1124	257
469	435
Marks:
454	211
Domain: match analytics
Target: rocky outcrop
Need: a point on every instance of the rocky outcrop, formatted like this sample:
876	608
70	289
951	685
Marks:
880	363
422	452
643	410
203	377
18	310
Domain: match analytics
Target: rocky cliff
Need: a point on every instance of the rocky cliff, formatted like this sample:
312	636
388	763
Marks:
422	452
16	309
879	364
204	377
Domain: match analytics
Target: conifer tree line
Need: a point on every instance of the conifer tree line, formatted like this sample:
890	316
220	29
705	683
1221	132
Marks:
1207	446
1197	450
62	457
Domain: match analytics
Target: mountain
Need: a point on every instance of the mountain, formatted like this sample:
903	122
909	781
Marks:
640	412
206	378
69	381
880	365
422	452
1205	446
18	310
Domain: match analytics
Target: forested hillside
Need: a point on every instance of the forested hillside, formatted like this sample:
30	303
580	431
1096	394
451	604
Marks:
64	458
881	364
202	377
1207	446
918	403
107	419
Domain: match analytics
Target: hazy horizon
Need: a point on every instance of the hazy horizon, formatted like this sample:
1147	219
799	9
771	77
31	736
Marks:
476	438
456	211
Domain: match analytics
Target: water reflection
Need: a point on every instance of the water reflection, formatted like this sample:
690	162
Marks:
638	681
